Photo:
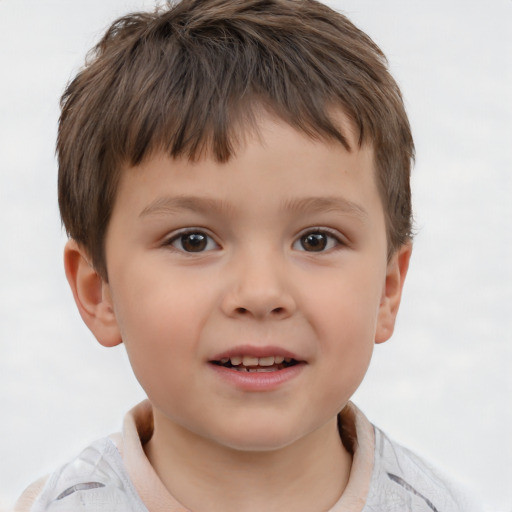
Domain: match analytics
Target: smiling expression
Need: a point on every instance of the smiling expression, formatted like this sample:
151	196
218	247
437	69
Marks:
249	294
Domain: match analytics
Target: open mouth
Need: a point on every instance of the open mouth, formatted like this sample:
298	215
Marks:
256	364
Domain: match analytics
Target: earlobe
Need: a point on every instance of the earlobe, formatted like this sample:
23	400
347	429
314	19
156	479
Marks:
392	293
92	295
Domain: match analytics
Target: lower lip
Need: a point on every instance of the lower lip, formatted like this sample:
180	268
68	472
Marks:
258	381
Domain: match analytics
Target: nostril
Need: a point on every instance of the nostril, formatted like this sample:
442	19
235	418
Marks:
277	311
242	311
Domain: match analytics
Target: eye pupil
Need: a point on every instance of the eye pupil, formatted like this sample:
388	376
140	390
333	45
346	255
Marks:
314	242
194	242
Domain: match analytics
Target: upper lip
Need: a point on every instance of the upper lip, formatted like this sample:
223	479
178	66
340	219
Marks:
255	351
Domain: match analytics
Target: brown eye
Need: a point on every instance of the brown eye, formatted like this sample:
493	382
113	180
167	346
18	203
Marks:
314	242
317	241
193	241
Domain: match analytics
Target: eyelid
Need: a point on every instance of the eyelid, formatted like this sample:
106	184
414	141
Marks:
341	241
177	234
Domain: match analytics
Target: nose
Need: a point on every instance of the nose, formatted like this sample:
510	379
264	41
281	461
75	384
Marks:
258	287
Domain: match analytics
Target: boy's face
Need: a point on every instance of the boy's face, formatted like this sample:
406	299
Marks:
279	253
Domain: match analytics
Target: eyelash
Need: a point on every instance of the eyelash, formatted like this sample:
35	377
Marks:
180	236
332	241
330	235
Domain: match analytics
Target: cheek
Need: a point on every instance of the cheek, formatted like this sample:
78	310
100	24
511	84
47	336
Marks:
160	321
346	319
347	340
154	300
346	346
348	307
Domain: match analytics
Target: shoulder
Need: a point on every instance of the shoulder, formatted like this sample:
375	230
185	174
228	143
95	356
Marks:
26	500
96	478
403	481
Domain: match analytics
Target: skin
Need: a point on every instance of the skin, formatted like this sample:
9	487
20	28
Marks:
256	283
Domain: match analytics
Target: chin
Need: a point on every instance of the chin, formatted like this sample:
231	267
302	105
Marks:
252	445
258	438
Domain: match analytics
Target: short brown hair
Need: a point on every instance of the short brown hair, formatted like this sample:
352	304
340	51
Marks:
187	79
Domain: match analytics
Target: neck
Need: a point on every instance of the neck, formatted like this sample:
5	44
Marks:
308	475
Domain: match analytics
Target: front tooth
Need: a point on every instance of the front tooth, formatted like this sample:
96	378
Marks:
250	361
266	361
236	360
278	359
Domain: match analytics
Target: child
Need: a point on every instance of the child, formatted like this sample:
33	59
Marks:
234	179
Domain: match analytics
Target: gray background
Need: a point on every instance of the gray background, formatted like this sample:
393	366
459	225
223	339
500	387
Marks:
441	386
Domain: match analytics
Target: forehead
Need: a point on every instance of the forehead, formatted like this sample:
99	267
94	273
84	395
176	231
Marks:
276	169
259	126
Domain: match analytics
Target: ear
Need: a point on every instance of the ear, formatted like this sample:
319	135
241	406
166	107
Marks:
392	292
92	295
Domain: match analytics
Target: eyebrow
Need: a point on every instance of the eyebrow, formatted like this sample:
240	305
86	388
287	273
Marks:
168	205
327	204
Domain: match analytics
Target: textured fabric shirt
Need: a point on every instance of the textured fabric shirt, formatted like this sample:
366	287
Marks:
114	475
